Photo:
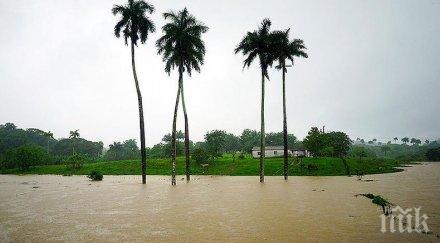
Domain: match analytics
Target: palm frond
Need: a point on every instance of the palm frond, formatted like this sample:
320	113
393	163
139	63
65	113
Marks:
134	22
181	45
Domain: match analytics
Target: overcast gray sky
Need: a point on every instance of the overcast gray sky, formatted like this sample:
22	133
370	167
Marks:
373	70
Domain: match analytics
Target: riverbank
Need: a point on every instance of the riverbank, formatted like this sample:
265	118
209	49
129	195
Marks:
227	166
49	208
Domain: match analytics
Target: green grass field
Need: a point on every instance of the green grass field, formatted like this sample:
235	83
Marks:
225	166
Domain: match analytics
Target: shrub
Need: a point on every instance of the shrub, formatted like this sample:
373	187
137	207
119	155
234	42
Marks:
200	156
76	161
241	156
95	176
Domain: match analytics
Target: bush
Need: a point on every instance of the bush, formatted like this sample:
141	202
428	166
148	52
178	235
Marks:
241	156
76	161
95	176
200	156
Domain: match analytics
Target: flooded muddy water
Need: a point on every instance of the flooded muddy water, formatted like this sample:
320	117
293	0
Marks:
56	208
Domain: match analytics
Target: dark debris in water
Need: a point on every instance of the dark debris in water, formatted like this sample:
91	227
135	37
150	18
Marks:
378	200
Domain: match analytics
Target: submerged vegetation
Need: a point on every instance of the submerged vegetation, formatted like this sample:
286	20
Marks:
380	201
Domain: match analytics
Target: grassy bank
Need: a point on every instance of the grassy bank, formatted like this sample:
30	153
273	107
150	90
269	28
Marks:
226	166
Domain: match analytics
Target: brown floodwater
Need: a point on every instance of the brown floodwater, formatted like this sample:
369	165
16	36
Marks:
41	208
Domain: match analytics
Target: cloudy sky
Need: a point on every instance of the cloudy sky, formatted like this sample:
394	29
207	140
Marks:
373	69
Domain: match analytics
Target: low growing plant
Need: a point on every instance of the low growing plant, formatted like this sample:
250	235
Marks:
95	175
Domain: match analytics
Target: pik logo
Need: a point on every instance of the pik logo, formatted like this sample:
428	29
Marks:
409	220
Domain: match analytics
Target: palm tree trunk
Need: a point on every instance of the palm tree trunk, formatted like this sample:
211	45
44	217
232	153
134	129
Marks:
141	119
286	153
187	172
262	132
173	134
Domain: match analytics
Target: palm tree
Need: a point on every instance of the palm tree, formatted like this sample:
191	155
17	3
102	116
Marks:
182	48
395	139
49	136
74	135
259	43
135	25
405	140
286	50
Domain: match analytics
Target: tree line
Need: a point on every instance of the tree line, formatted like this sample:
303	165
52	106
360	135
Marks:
21	148
25	147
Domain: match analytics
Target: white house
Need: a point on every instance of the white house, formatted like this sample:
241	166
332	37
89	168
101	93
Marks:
278	151
271	151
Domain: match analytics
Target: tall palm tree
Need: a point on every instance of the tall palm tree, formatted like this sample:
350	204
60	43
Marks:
136	25
74	135
286	50
49	136
259	43
182	48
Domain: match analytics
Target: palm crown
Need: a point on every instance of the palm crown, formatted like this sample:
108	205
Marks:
181	45
134	22
74	134
259	43
284	49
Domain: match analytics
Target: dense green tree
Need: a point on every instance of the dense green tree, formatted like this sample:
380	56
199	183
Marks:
249	139
25	156
433	154
415	141
232	144
327	144
385	149
200	156
286	50
122	151
313	141
358	151
215	143
340	142
12	137
259	43
277	139
183	48
136	25
167	138
63	147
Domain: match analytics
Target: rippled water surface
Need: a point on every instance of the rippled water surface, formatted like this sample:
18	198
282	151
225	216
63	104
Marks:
57	208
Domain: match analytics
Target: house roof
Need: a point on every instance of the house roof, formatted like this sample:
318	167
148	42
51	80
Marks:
276	148
269	148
